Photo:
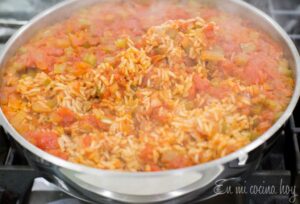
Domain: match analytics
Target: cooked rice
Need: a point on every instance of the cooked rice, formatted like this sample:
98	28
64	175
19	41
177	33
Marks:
157	103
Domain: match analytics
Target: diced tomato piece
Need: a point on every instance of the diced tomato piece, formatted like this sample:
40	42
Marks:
5	93
103	126
93	121
228	46
87	140
192	92
45	140
178	13
246	110
161	118
57	52
174	159
93	40
201	84
207	14
209	30
134	25
146	154
146	77
228	67
66	116
263	126
58	153
26	60
267	115
77	40
41	60
218	92
260	69
46	125
157	116
154	167
48	141
251	75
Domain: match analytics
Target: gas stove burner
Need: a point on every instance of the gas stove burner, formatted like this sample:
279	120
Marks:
44	192
287	14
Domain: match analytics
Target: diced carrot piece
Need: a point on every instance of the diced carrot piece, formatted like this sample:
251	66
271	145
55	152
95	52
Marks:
80	68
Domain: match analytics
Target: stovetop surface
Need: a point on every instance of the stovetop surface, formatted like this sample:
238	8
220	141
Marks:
280	167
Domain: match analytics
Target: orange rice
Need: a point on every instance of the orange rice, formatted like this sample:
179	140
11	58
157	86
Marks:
146	86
